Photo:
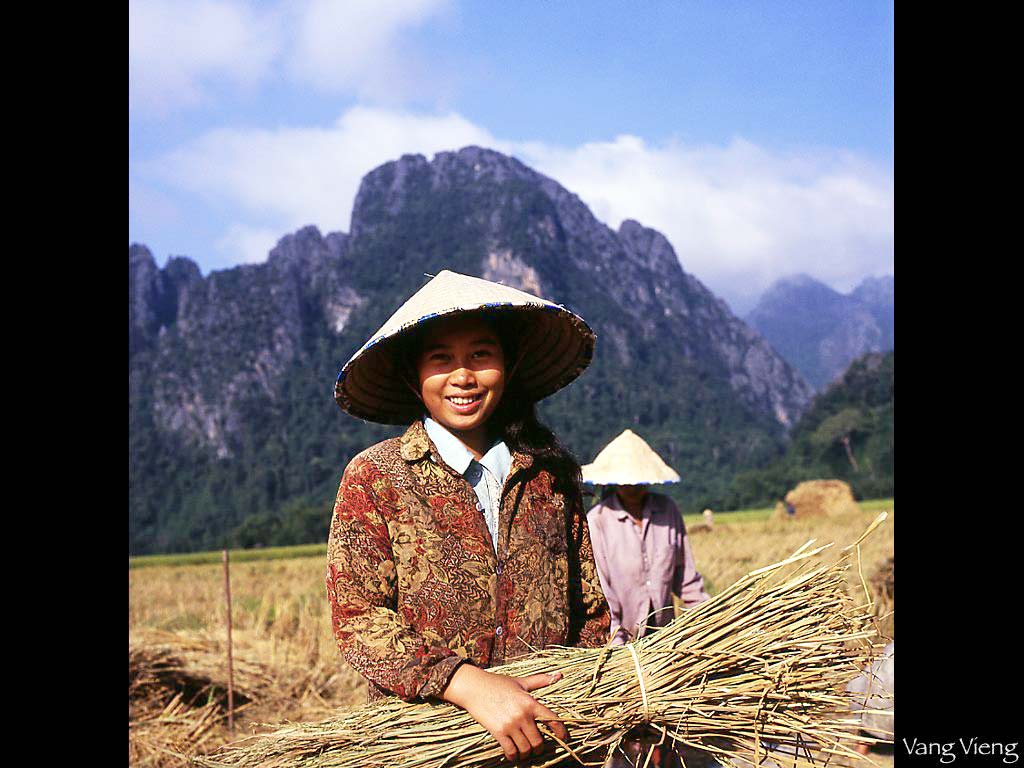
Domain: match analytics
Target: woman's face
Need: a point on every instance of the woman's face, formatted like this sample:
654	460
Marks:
461	372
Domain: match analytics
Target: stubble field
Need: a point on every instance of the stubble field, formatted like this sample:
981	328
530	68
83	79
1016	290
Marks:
287	666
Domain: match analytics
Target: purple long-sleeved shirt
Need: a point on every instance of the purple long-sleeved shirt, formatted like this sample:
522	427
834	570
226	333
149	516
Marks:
640	566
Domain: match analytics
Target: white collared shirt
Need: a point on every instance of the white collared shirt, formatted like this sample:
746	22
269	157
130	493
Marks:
487	476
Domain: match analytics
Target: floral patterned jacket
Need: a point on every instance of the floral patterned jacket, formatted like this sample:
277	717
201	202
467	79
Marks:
413	581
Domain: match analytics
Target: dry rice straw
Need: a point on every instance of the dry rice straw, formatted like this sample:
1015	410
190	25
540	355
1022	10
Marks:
758	669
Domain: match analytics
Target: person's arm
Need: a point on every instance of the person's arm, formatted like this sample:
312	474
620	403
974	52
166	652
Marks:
504	706
362	591
604	574
691	589
686	579
589	609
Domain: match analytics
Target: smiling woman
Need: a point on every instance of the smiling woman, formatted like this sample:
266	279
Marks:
464	543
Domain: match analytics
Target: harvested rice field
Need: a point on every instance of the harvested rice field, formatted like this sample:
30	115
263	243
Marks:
287	668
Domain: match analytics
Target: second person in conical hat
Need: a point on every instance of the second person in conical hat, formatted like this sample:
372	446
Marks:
464	543
643	556
643	553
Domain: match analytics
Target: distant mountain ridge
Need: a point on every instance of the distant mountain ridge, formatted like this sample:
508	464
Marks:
820	331
232	420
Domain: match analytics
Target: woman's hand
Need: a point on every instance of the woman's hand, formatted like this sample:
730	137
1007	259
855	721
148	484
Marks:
503	706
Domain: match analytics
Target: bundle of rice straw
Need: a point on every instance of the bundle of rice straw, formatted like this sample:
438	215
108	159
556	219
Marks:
761	665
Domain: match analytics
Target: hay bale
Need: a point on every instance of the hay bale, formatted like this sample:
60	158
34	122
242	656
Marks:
177	693
194	666
172	709
818	498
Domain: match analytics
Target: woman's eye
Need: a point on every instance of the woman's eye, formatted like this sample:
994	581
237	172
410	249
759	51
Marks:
482	353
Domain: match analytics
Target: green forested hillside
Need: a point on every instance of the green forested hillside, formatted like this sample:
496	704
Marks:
846	434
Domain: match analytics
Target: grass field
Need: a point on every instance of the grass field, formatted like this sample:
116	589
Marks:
237	555
318	550
281	620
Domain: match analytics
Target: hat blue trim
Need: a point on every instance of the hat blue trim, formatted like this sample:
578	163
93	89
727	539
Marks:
634	482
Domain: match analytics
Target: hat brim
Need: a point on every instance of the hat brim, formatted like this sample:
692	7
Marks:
556	347
628	480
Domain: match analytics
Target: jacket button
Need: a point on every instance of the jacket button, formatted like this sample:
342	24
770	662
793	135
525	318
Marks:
499	631
499	570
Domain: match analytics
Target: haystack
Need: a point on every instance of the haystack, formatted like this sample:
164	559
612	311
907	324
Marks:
161	734
194	666
176	697
883	582
177	692
706	527
819	498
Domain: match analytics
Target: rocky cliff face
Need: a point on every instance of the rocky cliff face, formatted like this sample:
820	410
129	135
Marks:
820	331
232	374
215	346
538	236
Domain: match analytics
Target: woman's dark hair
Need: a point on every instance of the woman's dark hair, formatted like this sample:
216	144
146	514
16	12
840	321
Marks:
515	419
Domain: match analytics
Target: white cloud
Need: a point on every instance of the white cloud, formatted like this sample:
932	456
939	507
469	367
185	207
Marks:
178	48
355	45
298	176
181	51
243	244
739	216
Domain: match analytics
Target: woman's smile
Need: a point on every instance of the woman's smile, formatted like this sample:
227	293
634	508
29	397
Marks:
465	404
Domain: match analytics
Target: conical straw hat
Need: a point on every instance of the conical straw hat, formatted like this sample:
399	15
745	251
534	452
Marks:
556	345
628	460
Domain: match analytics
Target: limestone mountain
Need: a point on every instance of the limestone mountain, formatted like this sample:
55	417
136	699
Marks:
820	331
234	434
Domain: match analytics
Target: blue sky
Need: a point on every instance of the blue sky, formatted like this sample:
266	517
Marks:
757	137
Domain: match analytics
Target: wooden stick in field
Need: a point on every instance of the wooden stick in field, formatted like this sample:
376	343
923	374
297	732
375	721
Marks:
231	664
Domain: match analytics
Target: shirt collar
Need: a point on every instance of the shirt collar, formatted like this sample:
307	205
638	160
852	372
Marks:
416	443
497	459
614	504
